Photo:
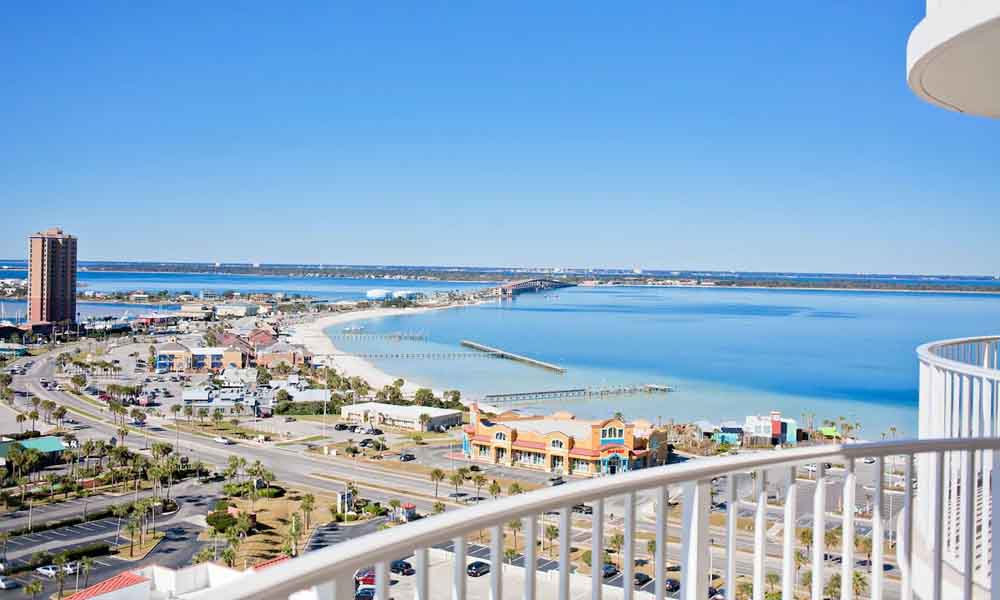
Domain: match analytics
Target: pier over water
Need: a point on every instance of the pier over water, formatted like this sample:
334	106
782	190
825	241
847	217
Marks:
510	355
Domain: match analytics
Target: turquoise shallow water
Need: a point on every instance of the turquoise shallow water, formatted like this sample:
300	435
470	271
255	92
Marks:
728	352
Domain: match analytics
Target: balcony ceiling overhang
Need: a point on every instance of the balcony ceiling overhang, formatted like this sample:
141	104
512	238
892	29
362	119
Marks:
953	58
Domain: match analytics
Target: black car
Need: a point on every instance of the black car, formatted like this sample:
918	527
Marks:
401	567
641	579
583	509
608	571
365	442
671	585
340	427
406	457
477	569
365	593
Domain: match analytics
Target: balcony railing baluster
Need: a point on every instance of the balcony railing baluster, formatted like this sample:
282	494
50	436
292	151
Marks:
789	540
420	564
458	570
565	528
530	565
969	487
819	530
937	545
847	532
628	556
878	530
496	563
660	556
381	580
906	568
759	531
597	550
731	516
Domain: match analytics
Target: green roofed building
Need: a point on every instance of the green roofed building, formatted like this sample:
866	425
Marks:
50	446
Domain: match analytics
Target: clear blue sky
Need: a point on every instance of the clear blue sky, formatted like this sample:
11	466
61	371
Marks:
715	134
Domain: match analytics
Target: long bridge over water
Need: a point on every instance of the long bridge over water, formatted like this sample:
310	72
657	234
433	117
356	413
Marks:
515	288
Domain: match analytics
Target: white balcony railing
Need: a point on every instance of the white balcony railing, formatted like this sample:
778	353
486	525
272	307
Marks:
329	573
959	395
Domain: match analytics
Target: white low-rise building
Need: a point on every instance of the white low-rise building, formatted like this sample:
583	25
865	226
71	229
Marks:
402	416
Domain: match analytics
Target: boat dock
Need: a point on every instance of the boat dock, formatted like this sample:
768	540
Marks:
511	356
541	396
367	337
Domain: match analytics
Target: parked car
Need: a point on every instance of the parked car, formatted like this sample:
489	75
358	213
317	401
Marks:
554	481
48	571
364	577
477	568
7	583
608	571
401	567
340	427
71	568
290	419
374	431
221	440
365	442
365	593
406	457
583	509
641	579
671	585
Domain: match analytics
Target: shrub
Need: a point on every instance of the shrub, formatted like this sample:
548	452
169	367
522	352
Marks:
237	490
94	549
272	492
350	517
222	505
220	521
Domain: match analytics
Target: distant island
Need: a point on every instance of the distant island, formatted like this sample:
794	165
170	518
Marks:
583	277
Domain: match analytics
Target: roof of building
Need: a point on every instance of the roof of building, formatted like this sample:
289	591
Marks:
270	563
208	350
411	411
113	584
545	426
48	443
172	347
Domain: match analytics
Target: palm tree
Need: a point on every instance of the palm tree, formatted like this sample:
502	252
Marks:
425	419
515	526
514	489
551	532
395	504
456	480
859	583
4	537
60	563
437	476
33	588
616	543
33	415
132	526
832	538
307	506
832	587
479	481
772	579
495	489
438	508
86	565
20	418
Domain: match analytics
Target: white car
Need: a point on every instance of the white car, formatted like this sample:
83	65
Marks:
221	440
71	568
7	583
48	570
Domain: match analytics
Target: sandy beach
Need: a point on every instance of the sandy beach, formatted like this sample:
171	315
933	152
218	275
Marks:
312	336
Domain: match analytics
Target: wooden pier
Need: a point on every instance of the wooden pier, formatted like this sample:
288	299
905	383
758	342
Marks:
511	356
601	392
371	337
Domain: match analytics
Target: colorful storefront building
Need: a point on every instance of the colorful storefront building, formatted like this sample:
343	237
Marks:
562	444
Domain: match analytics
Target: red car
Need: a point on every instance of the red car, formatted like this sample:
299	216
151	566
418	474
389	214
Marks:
364	577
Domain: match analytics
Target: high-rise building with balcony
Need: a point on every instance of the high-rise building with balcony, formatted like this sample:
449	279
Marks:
51	277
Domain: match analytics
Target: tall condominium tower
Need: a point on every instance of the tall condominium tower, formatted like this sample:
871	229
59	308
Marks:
51	277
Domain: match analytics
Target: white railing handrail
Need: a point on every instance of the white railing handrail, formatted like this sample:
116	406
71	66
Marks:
928	353
323	566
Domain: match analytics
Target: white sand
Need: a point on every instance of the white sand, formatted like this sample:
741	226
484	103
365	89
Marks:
312	336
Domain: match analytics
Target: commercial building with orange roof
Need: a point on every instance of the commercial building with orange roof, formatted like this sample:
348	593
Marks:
562	444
